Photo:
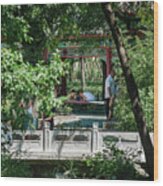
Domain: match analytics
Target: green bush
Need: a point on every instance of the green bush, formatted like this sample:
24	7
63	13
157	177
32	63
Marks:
14	168
97	167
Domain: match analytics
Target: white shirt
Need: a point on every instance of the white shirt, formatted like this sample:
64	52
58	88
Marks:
89	96
109	82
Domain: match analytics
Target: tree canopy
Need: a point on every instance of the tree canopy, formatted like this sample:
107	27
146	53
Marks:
28	29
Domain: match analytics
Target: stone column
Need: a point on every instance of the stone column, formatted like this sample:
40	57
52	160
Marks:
95	138
46	134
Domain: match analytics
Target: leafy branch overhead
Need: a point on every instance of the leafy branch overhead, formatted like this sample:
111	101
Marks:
23	81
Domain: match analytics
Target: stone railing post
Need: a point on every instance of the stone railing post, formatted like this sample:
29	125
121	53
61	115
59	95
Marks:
95	138
46	134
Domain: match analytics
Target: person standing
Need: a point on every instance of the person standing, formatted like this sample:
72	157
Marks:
31	115
110	94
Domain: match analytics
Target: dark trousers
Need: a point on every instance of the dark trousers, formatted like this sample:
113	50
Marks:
107	107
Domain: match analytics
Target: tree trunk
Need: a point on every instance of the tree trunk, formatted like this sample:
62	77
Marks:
132	89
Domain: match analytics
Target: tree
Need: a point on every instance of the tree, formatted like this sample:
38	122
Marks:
131	87
24	73
35	27
23	81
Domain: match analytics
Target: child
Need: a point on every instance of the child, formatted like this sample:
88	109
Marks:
80	96
72	95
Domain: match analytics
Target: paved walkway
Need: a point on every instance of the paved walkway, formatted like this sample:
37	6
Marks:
60	119
83	121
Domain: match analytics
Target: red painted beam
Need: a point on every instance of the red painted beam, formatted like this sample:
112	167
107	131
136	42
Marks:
87	36
64	82
72	57
103	47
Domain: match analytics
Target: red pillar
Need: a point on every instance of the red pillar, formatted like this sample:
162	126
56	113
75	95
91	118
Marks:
108	60
45	55
63	84
63	80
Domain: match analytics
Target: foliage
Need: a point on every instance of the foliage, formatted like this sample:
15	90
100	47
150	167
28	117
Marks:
141	59
111	165
23	81
143	69
15	28
100	168
36	27
140	55
97	167
14	168
27	30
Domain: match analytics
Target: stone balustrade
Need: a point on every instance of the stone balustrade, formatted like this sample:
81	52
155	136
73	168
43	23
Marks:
73	143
